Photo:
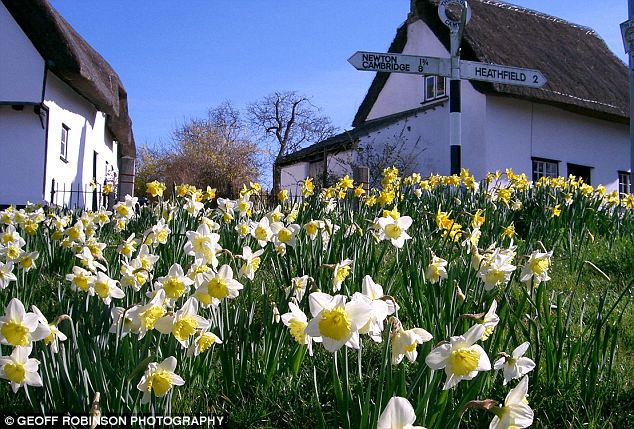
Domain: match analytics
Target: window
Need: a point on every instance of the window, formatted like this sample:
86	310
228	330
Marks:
545	168
580	172
64	143
435	87
625	183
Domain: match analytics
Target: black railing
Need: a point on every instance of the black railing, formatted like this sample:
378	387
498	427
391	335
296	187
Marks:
75	195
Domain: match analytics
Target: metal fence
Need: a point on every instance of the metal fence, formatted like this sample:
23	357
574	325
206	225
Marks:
75	195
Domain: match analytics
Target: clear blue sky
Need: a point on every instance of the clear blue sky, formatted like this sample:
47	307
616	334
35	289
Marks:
179	58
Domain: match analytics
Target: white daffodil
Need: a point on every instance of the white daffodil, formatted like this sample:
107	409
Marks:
341	272
175	284
183	324
375	291
203	342
133	275
128	246
122	322
11	236
490	320
536	267
89	261
203	244
243	229
244	206
336	321
192	206
106	288
276	215
146	258
378	313
251	262
516	413
226	206
144	317
461	358
398	414
81	280
496	270
158	234
125	209
395	230
220	285
436	270
19	369
516	365
313	227
404	343
27	260
297	321
261	231
286	235
19	328
6	274
159	378
298	287
55	337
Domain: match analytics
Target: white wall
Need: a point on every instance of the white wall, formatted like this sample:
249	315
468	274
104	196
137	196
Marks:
21	66
292	176
22	140
518	130
87	134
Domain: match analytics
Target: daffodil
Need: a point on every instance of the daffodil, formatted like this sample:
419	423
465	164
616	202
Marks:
146	316
404	343
261	231
398	414
220	285
516	413
184	324
56	336
341	272
88	260
336	321
106	288
19	328
155	188
19	369
286	235
496	270
81	280
251	262
298	287
159	378
395	230
515	365
6	274
203	342
536	268
175	283
297	322
461	358
378	313
374	291
436	270
203	244
122	322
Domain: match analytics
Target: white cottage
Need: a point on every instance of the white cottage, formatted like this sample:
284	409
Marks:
576	124
63	112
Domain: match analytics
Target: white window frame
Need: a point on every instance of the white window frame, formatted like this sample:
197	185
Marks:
64	143
625	183
436	91
544	167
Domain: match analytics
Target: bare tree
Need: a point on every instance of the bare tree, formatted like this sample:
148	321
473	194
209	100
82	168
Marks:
288	120
214	151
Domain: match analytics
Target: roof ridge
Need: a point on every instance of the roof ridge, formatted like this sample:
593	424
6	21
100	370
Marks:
529	11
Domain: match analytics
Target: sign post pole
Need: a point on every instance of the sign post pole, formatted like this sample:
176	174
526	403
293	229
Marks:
456	29
627	31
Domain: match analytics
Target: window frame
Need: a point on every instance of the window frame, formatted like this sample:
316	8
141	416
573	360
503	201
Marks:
64	143
622	183
545	161
435	90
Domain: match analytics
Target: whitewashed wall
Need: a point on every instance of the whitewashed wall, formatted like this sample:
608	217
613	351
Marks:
292	176
87	134
21	66
22	140
518	130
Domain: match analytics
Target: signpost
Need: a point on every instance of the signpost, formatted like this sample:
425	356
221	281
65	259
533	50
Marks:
456	69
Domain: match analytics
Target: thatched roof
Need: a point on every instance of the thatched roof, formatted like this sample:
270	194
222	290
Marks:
74	61
583	75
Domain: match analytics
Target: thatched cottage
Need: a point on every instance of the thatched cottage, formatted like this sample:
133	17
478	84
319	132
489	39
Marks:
576	124
63	112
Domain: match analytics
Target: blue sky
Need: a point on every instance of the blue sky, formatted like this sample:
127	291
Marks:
178	59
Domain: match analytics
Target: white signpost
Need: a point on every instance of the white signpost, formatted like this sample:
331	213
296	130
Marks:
452	67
